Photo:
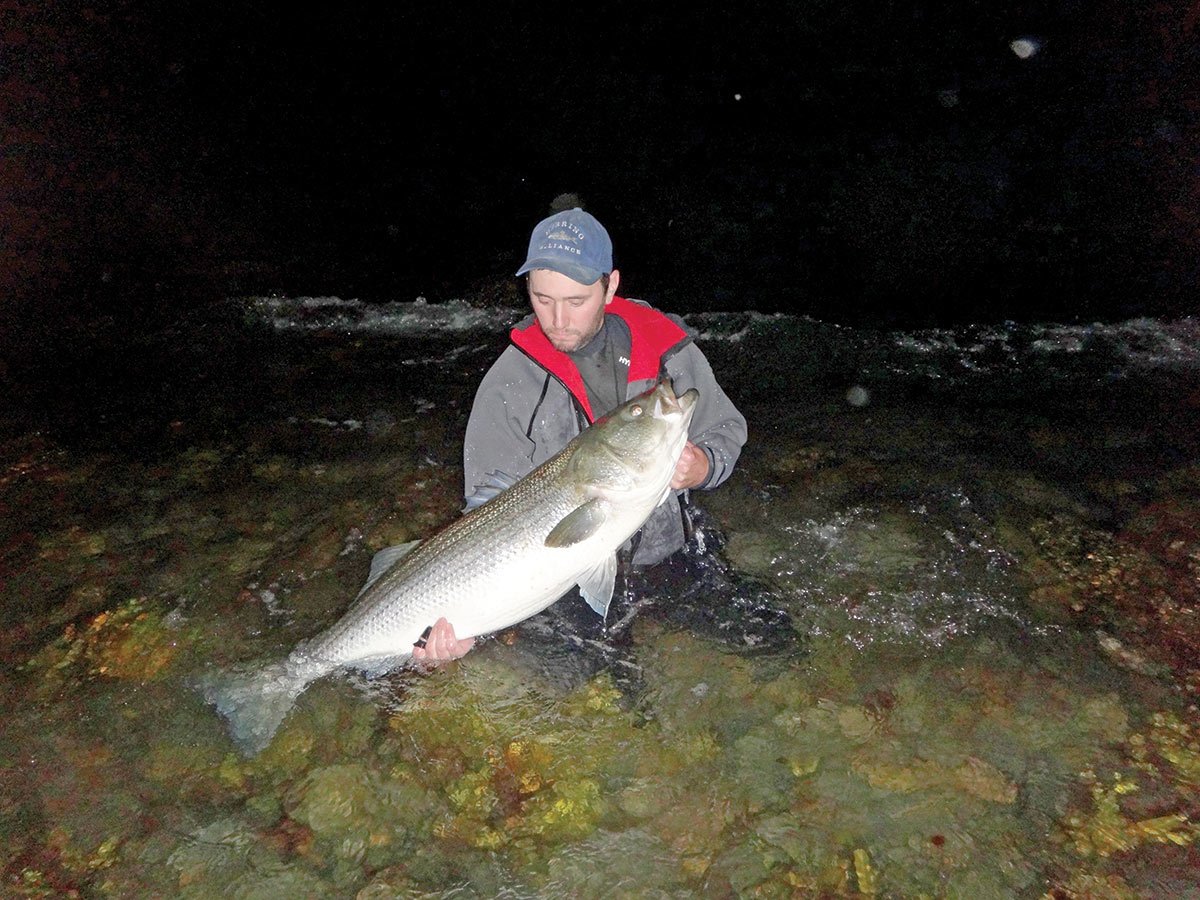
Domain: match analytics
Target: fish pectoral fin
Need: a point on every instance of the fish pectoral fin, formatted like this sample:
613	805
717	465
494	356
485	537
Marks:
385	559
579	525
497	483
596	585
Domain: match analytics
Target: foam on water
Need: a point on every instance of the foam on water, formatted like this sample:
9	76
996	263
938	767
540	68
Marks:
394	317
920	576
1142	342
998	348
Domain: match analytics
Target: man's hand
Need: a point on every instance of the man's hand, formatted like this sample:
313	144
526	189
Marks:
439	644
692	468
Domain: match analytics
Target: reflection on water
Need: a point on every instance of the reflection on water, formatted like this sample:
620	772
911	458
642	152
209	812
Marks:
991	693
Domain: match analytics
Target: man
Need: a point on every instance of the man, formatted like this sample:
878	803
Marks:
583	352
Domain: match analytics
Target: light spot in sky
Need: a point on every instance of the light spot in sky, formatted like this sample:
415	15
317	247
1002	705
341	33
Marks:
1025	47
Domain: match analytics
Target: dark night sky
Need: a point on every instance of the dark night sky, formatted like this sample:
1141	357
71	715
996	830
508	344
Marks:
886	162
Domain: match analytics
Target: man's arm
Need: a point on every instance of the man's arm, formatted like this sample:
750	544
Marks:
718	429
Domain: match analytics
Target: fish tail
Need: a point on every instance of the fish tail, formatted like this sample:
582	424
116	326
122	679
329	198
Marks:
254	704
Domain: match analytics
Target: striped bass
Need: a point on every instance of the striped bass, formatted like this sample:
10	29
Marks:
500	563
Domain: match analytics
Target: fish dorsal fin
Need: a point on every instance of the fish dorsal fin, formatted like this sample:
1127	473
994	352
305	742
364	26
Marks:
579	525
596	584
496	484
385	559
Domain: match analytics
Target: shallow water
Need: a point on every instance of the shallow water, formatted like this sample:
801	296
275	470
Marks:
984	540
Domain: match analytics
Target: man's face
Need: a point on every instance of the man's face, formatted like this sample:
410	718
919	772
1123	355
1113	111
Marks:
570	313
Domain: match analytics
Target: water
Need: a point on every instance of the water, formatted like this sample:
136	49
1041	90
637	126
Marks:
983	537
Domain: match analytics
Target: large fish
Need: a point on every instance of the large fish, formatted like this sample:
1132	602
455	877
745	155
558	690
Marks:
504	561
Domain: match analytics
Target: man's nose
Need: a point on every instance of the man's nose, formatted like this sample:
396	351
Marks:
558	315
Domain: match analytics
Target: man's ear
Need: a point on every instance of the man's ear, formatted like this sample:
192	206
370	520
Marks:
614	279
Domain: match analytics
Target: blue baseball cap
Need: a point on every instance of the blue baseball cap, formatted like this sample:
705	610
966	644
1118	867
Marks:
572	243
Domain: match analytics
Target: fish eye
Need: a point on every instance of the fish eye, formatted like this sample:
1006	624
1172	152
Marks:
635	410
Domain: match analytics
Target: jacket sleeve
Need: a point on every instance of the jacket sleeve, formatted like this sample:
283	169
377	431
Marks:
497	430
717	426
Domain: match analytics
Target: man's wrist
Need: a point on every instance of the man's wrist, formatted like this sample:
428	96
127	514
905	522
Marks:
712	467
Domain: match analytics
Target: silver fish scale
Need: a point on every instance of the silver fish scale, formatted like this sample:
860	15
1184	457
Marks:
421	587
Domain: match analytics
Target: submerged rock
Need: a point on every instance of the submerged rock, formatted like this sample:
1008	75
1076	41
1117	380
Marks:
1142	585
131	642
357	813
972	776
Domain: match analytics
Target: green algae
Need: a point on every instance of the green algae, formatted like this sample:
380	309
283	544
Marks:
358	815
330	722
295	885
73	541
200	466
1105	830
631	863
1109	830
274	468
1173	740
227	858
131	642
1090	886
523	779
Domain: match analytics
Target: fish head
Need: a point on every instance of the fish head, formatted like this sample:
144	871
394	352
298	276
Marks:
639	440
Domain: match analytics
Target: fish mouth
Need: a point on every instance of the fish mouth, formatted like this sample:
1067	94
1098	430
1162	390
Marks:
688	400
670	404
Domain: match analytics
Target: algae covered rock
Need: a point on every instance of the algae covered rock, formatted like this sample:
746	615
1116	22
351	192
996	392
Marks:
756	552
626	864
195	772
213	856
358	813
291	883
132	642
513	773
972	776
72	543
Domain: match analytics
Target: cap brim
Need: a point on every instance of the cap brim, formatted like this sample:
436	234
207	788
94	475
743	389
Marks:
574	271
